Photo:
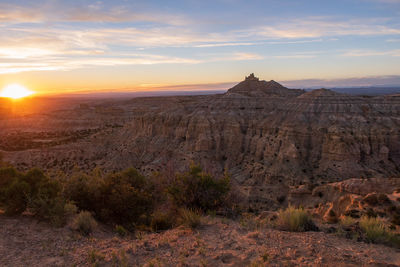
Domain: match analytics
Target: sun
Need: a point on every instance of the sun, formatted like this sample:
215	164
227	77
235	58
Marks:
15	91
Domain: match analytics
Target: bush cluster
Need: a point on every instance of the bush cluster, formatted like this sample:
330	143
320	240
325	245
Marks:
34	191
125	199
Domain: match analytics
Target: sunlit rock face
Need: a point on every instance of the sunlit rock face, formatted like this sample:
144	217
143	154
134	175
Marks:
267	136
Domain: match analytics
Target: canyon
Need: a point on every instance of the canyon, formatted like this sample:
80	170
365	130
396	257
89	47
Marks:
270	139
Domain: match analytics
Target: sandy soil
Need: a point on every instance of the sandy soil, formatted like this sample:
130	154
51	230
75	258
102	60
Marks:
218	242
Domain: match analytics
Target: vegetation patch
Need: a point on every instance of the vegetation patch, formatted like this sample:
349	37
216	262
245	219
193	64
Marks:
126	199
295	220
376	231
84	223
198	190
190	218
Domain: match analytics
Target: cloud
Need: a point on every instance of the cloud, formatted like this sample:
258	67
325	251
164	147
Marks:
54	60
393	40
63	37
257	43
314	27
293	32
390	80
246	56
13	13
371	53
63	63
40	13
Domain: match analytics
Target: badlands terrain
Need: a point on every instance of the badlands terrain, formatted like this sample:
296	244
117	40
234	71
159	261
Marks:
269	138
334	154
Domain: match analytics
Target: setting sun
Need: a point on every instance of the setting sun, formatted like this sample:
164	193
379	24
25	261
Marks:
15	91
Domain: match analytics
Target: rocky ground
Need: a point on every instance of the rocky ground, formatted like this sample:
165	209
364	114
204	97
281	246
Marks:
217	242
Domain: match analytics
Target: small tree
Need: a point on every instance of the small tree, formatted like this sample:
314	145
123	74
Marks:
122	197
199	190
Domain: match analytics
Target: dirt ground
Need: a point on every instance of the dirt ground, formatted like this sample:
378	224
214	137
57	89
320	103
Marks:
217	242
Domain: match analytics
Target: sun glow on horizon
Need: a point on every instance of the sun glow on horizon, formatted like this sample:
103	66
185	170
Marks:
15	91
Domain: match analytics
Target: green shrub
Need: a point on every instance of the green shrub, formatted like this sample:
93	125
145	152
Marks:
50	209
126	197
373	228
84	190
17	196
7	177
376	232
84	223
294	220
47	203
198	190
190	218
122	198
32	190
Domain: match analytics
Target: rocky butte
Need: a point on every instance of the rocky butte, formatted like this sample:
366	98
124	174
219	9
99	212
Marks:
280	145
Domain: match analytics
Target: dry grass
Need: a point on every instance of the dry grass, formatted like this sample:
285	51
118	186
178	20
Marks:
294	220
376	232
84	223
190	218
347	221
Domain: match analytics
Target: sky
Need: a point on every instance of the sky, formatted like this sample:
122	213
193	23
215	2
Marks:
71	46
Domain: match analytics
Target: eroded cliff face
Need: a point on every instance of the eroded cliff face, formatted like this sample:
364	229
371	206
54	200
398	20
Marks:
267	136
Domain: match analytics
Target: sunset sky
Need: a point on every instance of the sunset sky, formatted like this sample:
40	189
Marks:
63	46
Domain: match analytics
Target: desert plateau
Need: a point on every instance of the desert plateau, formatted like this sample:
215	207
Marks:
199	133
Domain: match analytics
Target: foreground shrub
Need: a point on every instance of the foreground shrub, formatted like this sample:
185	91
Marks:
84	223
18	189
48	203
51	210
198	190
123	198
376	232
126	197
7	177
17	196
295	220
32	191
84	190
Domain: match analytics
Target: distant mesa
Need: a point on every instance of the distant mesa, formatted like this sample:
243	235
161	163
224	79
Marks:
253	87
318	93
